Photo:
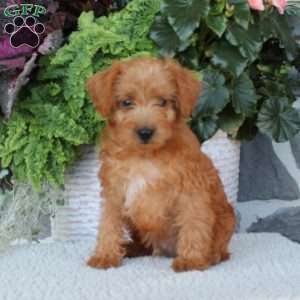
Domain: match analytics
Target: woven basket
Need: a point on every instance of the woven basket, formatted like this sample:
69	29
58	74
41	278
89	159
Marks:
79	217
225	154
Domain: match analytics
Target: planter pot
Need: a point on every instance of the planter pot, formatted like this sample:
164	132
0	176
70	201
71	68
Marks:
225	154
79	217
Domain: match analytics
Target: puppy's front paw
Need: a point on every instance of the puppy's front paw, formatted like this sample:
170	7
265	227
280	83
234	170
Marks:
181	264
104	262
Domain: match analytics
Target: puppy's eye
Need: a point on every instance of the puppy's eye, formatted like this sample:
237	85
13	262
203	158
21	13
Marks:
126	103
162	102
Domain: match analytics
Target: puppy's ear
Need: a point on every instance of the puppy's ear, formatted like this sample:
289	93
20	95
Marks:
188	87
100	88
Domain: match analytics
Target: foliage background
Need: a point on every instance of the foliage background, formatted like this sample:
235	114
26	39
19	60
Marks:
250	63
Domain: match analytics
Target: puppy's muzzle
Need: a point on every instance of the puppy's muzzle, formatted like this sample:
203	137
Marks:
145	134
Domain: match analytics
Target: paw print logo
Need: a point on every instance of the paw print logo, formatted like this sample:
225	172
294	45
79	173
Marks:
24	31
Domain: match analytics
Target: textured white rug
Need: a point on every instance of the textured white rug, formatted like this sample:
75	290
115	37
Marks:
263	266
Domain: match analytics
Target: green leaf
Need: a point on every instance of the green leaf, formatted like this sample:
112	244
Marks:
6	159
54	89
284	33
205	127
185	15
190	58
293	9
18	157
36	153
214	96
229	121
273	88
243	95
217	24
228	58
266	31
278	119
217	7
242	12
55	170
86	20
164	36
248	41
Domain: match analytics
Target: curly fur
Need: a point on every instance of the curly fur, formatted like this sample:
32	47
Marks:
167	193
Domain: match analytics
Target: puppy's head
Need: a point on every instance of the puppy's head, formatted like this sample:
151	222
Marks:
144	99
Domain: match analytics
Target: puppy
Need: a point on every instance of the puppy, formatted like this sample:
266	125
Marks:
156	182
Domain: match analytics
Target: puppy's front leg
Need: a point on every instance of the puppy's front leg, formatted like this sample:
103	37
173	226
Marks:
109	250
195	221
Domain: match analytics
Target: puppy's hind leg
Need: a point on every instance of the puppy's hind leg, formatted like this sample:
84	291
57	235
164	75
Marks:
195	223
224	229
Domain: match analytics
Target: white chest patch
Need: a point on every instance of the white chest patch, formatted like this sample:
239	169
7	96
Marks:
134	187
140	176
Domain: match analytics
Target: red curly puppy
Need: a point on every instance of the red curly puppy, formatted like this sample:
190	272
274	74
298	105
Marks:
156	182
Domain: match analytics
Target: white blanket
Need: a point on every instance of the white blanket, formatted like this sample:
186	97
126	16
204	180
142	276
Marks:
263	266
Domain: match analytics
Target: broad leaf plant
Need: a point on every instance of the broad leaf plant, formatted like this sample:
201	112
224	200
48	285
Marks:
248	59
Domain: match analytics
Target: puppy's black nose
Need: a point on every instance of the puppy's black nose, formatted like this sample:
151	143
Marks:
145	134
